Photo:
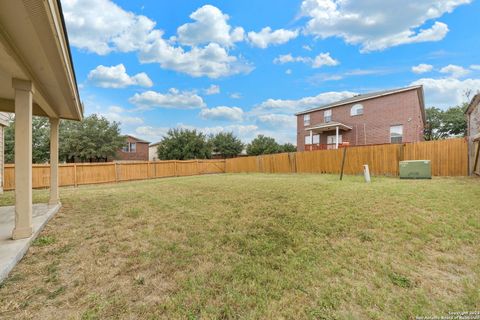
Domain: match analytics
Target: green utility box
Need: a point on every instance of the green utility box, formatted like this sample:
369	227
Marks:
415	169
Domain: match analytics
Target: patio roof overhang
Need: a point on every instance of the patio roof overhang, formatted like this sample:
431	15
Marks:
34	47
328	126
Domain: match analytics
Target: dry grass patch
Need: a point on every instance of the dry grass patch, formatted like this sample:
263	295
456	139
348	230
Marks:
253	246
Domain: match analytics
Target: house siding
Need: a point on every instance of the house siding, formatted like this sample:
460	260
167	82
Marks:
152	153
373	126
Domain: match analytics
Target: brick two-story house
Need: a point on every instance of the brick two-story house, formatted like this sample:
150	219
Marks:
134	150
391	116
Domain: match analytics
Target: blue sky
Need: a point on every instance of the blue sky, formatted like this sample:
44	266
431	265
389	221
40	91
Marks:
248	66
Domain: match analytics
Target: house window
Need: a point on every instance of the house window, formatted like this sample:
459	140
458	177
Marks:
306	119
316	139
357	110
396	134
308	140
130	147
333	139
327	115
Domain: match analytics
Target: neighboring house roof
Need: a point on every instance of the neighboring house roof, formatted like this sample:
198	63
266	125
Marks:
367	96
34	47
136	139
154	144
475	101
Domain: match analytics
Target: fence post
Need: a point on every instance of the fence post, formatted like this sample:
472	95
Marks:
175	168
292	157
116	172
75	175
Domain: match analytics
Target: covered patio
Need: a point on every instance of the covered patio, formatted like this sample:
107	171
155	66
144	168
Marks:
330	141
36	78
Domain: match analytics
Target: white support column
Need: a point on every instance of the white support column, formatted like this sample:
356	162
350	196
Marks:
336	138
23	158
54	195
311	140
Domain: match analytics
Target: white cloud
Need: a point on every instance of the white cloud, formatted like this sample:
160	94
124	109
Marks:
151	133
236	95
212	61
278	121
222	113
100	26
267	37
377	25
210	26
455	71
174	99
286	58
323	59
444	93
292	106
475	67
213	89
117	77
288	71
422	68
307	47
118	114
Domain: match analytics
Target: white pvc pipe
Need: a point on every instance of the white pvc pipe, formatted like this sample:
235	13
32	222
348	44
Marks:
366	173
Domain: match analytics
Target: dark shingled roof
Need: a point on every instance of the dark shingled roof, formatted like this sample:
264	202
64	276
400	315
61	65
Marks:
360	97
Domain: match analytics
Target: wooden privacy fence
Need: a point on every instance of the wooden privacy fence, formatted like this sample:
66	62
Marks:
74	174
448	158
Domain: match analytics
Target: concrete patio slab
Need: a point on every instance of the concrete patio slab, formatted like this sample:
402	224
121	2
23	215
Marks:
12	251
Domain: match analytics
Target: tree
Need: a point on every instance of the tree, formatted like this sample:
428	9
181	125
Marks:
433	125
262	145
288	147
442	124
92	140
226	144
184	144
454	121
40	141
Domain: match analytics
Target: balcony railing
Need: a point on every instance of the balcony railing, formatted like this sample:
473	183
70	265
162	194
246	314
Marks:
319	146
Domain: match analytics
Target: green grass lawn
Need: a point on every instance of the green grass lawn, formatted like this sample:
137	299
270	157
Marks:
254	246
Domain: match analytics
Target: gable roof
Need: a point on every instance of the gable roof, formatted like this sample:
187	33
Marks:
475	102
137	139
367	96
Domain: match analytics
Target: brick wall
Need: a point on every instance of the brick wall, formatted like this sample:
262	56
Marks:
141	153
373	127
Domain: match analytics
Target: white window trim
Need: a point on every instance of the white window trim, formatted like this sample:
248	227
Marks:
355	108
401	134
128	148
340	139
307	140
306	119
327	114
